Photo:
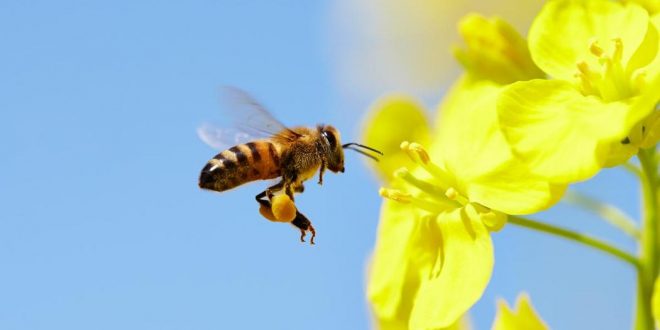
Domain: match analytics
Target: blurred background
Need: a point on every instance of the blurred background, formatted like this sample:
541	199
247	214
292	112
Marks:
102	225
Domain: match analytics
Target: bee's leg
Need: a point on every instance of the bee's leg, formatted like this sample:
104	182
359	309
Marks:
302	223
290	187
299	188
321	170
270	190
260	198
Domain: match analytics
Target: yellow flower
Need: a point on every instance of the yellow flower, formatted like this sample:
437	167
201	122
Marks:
434	255
599	107
523	318
382	45
494	51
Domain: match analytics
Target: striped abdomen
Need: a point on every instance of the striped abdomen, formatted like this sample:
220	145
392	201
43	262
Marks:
258	160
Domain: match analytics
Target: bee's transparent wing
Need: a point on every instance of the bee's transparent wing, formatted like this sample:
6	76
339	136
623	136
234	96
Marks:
247	114
245	120
223	138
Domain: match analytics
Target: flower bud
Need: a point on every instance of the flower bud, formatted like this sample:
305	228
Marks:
494	50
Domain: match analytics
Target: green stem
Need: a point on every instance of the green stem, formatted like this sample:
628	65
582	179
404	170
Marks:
576	237
650	243
632	168
612	215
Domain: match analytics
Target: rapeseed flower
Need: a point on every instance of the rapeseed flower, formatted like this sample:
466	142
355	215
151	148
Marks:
434	255
598	106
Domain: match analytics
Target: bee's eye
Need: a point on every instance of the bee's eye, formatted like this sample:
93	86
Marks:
331	139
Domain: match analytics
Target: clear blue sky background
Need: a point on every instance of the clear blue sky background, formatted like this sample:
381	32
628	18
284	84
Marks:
102	225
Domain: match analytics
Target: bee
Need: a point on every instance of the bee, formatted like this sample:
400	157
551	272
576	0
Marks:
293	154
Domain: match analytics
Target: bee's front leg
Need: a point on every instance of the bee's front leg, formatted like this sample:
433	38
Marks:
321	170
302	223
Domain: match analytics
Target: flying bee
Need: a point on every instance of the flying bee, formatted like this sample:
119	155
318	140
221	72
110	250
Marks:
293	154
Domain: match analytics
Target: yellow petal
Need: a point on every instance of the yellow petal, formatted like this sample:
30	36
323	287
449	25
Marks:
558	132
463	323
652	130
472	147
564	29
524	317
459	276
646	52
392	120
513	189
405	250
468	141
653	6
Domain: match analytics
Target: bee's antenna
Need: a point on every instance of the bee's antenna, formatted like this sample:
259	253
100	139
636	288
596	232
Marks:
362	146
350	146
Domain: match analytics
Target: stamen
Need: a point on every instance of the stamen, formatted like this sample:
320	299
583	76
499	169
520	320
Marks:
406	198
436	192
420	151
618	50
586	76
424	186
416	152
609	79
396	195
419	155
595	49
453	194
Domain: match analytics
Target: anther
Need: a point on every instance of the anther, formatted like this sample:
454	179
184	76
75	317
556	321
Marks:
583	67
395	195
595	49
415	149
451	193
420	151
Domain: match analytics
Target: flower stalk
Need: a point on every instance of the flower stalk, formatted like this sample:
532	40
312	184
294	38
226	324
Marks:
650	243
576	237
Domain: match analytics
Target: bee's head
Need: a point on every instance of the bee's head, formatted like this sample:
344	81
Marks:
335	155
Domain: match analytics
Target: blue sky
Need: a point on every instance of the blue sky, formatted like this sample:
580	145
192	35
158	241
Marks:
102	224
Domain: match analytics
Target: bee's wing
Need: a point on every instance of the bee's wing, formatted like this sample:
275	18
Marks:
223	138
250	116
244	119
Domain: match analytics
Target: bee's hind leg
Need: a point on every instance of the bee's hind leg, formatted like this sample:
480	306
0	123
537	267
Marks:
268	193
260	198
302	223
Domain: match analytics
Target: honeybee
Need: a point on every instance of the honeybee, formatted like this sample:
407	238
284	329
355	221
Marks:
293	154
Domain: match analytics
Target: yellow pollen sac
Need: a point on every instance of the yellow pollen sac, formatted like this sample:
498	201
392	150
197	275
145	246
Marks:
283	208
267	213
395	195
595	49
451	193
416	152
